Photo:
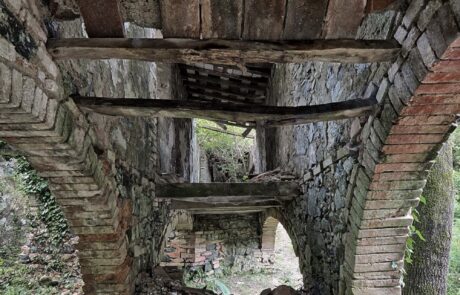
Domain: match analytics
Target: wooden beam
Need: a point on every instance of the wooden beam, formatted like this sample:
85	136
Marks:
225	82
201	71
225	52
231	93
343	18
201	94
273	115
102	18
244	135
228	211
189	191
207	207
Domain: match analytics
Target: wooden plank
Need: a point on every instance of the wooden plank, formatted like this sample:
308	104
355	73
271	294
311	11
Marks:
246	132
205	72
377	5
343	18
221	19
263	20
227	189
225	92
244	135
273	115
228	52
102	18
304	19
181	205
231	200
180	18
225	83
197	94
227	211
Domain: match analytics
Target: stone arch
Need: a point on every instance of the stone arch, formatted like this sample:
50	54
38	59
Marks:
418	106
269	221
267	243
93	186
268	233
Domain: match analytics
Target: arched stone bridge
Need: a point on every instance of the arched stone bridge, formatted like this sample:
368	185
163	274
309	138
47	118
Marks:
362	158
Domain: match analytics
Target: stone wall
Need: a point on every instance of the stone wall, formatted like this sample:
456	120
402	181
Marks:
131	145
418	108
233	243
323	155
102	170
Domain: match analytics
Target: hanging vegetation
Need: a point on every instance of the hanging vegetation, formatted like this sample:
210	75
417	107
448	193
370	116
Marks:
228	152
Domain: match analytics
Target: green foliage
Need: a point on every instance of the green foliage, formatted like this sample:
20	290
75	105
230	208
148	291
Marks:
230	151
414	234
453	279
197	278
50	212
455	137
15	280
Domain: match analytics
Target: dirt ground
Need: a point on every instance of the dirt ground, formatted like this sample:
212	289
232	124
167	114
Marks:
285	270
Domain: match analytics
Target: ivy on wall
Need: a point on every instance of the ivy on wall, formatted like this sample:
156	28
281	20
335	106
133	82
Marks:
49	211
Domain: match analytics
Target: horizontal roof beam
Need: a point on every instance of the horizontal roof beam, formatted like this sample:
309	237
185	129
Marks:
273	115
206	208
225	52
184	191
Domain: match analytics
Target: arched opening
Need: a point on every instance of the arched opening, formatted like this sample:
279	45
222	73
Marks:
281	264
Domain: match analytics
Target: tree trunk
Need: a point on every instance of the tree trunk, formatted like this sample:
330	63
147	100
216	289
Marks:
427	275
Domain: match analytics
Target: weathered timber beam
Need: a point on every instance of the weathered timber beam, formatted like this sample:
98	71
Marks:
227	112
229	211
102	18
225	83
205	206
186	191
202	72
244	135
231	200
202	94
225	52
217	90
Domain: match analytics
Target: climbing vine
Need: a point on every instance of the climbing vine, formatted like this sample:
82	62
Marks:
49	211
414	233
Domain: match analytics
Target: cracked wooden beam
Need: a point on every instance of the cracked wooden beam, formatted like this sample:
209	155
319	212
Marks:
225	52
272	115
234	193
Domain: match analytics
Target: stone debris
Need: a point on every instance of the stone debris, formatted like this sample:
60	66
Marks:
162	284
275	175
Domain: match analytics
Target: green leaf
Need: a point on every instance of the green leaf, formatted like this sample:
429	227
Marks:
419	235
423	200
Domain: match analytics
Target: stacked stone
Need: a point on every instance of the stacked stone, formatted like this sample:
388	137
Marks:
36	119
420	99
268	239
209	250
230	240
180	249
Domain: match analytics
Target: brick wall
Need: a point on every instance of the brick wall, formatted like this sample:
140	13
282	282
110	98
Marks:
101	170
238	243
362	176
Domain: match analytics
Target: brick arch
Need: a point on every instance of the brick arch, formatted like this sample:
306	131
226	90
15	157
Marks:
267	243
419	103
269	221
37	119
